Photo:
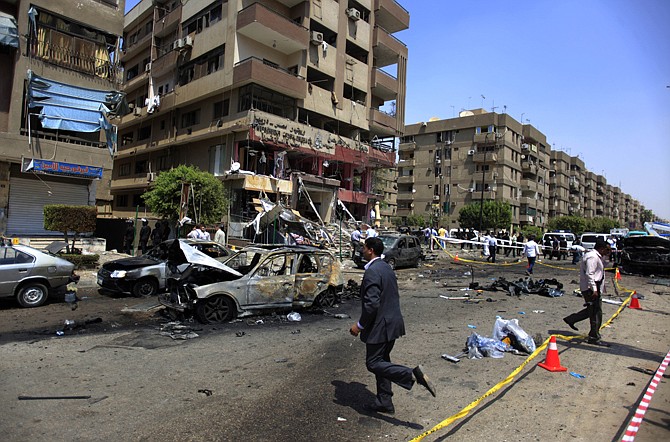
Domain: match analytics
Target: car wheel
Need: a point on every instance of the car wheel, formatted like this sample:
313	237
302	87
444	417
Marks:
145	287
326	299
217	309
391	262
32	295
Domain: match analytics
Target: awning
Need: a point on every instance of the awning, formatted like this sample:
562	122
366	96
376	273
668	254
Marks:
74	108
9	32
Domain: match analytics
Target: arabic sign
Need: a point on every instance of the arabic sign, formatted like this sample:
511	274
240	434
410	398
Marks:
55	167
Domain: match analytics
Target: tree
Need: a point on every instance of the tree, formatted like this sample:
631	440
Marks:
66	219
208	199
646	216
575	224
495	215
416	220
601	224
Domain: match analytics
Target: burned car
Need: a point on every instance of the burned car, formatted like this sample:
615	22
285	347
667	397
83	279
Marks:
31	275
646	255
399	251
147	274
254	279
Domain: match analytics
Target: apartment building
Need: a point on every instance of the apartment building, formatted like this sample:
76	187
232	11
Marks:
297	101
59	81
446	164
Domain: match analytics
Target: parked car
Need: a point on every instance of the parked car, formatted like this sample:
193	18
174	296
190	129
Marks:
399	251
253	279
588	240
32	275
146	275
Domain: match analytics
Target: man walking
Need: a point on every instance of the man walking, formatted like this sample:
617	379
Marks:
530	251
493	248
380	324
592	286
220	236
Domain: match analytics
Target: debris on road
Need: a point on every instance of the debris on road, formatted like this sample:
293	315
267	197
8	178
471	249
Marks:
294	317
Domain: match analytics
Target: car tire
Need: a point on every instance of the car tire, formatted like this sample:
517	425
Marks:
32	294
215	310
326	299
145	287
391	262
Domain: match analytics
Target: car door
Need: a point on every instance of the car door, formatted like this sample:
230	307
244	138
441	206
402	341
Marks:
272	282
311	278
401	250
14	266
413	251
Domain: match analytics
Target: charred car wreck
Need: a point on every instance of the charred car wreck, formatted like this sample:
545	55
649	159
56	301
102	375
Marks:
646	255
253	279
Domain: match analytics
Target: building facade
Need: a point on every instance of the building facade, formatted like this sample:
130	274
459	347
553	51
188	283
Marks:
59	77
286	99
446	164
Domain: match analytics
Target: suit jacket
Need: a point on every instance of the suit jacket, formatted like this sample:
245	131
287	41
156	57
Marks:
380	313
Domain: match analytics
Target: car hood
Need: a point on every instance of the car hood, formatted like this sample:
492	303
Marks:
129	263
181	253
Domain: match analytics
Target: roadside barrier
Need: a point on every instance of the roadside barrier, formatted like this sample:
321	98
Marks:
466	410
636	420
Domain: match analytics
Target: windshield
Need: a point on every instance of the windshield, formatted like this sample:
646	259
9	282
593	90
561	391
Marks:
589	238
388	241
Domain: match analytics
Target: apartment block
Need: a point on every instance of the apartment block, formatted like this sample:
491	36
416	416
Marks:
297	101
59	83
446	164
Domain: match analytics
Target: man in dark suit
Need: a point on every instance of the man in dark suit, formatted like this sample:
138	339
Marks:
380	324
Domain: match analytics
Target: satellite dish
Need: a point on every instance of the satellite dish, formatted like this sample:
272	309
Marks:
433	119
235	167
466	113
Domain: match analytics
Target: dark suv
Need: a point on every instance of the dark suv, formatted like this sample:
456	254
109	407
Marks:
399	251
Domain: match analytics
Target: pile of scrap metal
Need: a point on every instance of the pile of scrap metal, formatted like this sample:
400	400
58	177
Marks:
646	255
295	228
525	286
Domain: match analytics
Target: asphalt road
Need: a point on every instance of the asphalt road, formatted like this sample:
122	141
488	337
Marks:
264	378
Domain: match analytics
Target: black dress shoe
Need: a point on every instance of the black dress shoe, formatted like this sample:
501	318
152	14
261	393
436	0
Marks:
598	342
570	324
423	380
379	409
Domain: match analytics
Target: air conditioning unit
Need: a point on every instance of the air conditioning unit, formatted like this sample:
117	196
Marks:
131	106
471	152
188	41
438	161
471	189
151	176
354	14
436	197
137	111
317	37
524	146
411	205
147	67
179	43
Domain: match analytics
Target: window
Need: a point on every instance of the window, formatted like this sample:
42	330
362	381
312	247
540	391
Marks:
190	118
217	161
253	96
144	133
124	169
163	162
122	201
221	108
141	167
138	201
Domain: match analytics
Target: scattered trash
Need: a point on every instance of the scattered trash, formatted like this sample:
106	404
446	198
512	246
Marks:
259	322
472	326
612	301
43	398
632	384
518	337
295	332
538	311
455	298
206	391
239	334
342	316
454	359
59	333
280	360
522	313
175	330
480	346
490	300
294	317
577	375
68	324
647	371
341	419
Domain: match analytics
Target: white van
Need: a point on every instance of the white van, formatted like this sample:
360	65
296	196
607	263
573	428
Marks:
588	239
560	234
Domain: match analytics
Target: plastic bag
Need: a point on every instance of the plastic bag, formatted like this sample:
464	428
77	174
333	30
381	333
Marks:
505	327
294	317
480	346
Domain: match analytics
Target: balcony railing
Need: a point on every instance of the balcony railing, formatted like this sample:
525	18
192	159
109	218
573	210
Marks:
256	70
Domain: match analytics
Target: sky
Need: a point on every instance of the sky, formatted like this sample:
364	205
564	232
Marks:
592	75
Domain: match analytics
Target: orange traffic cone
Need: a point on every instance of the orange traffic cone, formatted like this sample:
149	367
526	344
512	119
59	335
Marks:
635	302
552	361
456	258
617	275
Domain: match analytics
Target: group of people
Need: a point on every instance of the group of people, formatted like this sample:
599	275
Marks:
148	237
359	235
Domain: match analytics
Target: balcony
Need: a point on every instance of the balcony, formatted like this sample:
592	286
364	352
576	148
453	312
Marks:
487	138
405	195
255	70
384	86
167	23
529	167
261	24
386	47
133	49
485	157
352	196
406	163
406	179
383	123
527	219
164	64
407	147
391	16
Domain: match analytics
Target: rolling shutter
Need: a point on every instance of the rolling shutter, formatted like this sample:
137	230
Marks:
27	199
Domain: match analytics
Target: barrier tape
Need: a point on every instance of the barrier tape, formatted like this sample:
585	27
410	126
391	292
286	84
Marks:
636	420
466	410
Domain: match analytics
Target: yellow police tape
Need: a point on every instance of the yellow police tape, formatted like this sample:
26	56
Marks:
464	412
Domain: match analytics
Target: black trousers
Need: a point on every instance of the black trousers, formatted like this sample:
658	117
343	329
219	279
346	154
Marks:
378	362
593	312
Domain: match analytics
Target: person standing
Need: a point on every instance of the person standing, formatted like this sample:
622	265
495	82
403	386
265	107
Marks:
592	286
145	234
493	248
380	324
129	237
442	233
371	232
577	251
512	248
220	236
355	240
204	234
531	250
157	234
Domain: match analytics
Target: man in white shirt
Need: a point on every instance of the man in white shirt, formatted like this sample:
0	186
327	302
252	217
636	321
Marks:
493	247
531	250
592	286
220	236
